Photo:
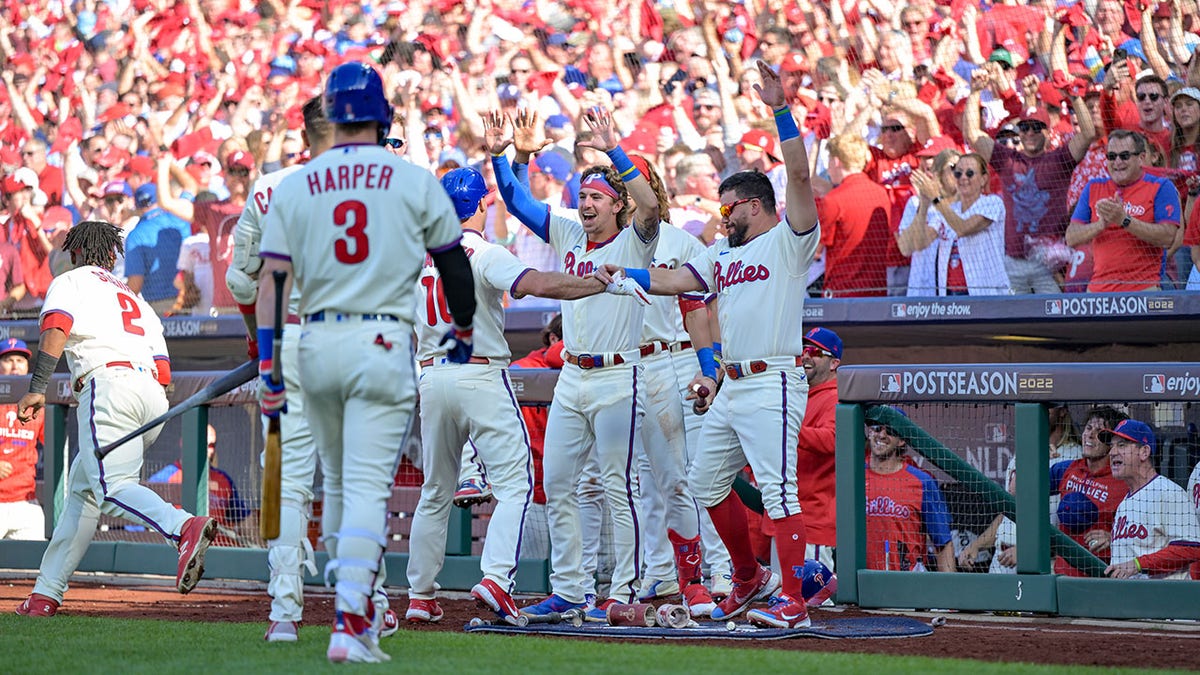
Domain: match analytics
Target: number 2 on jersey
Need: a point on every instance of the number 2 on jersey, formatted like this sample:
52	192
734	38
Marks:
435	301
130	313
354	247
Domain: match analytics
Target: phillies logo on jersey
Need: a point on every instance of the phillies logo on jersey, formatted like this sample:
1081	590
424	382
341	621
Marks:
1123	529
1091	489
739	273
887	508
585	268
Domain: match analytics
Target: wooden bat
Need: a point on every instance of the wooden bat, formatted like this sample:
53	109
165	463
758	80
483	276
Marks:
701	391
268	518
230	381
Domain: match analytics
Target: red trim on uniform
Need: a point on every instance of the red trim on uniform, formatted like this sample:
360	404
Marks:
162	370
248	310
689	305
59	319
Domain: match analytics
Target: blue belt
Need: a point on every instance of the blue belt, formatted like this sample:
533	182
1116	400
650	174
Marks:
322	316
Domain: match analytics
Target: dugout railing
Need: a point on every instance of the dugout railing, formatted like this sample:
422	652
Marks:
124	549
984	410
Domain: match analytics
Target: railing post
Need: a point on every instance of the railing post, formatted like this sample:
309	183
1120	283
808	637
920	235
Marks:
1033	475
851	500
54	465
194	432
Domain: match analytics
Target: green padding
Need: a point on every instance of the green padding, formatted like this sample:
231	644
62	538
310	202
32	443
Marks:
929	447
958	590
1129	598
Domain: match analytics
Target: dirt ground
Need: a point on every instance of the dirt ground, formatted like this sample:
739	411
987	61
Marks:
976	636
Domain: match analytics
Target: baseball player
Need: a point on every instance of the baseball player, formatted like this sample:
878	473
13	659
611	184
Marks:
759	274
1156	533
119	368
353	227
598	400
21	516
475	400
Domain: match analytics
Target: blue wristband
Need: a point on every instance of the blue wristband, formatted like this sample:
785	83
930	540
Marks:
266	343
718	352
786	124
640	275
708	362
624	166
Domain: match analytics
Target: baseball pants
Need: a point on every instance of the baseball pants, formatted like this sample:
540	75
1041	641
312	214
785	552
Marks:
22	520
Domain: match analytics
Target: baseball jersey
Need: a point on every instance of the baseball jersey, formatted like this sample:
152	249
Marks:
761	285
1101	488
601	323
1121	261
663	318
902	509
1193	489
103	319
18	446
355	223
1150	519
247	236
496	272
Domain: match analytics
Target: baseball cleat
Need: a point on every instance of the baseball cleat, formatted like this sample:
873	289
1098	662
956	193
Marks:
195	536
471	492
282	631
354	640
658	589
599	613
389	623
423	611
38	605
720	586
781	612
764	583
489	594
553	603
698	600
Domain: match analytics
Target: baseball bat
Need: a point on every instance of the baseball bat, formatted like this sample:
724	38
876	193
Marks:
701	391
268	518
228	382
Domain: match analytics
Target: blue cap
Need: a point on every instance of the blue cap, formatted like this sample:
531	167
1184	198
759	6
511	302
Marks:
825	339
15	346
1131	430
554	165
452	155
508	92
145	195
557	39
1077	513
559	121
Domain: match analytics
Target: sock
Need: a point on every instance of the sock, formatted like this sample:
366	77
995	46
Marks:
688	559
729	519
789	542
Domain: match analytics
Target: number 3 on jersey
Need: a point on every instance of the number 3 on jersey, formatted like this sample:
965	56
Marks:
435	301
353	248
130	313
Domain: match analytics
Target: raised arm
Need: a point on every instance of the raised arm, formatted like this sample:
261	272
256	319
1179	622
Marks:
802	207
605	139
972	127
533	214
1081	141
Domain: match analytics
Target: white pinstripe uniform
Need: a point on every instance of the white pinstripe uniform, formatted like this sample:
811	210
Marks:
760	287
113	340
356	223
1148	520
599	407
472	400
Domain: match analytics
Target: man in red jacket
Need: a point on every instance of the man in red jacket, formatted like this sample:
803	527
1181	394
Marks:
815	465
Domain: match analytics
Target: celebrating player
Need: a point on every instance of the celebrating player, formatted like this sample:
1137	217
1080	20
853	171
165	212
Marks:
475	400
762	263
598	401
119	368
350	226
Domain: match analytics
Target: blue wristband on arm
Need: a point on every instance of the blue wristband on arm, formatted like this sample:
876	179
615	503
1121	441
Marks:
717	351
624	166
708	362
786	124
266	343
640	275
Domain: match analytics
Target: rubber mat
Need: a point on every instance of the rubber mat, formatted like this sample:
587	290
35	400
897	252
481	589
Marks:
840	628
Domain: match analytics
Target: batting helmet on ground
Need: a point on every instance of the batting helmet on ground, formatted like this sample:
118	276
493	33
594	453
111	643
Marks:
466	188
817	582
1077	513
354	93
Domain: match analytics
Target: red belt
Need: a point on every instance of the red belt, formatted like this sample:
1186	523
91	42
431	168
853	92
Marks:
590	361
293	319
653	347
735	371
474	359
680	346
79	382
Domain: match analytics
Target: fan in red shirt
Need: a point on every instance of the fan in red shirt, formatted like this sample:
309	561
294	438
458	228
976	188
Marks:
815	465
891	165
855	218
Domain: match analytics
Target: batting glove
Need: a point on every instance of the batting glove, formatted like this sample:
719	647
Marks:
458	344
251	348
272	397
627	286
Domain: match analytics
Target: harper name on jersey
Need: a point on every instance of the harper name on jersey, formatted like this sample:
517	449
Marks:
357	177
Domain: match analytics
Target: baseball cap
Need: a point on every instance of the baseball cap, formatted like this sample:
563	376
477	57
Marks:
825	339
117	187
282	65
1002	56
559	121
508	92
1036	115
934	146
706	97
756	139
1131	430
640	141
898	411
240	159
21	179
558	39
57	218
432	102
145	195
1006	130
794	63
552	164
1077	513
452	155
14	346
1191	92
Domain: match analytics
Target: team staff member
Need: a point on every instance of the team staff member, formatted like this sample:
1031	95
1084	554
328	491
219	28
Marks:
1156	533
475	400
1129	218
598	400
21	516
119	368
353	227
762	263
815	465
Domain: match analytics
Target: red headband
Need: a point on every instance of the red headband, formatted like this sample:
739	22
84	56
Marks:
596	181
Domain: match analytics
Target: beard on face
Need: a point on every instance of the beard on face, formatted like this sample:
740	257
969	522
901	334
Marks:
735	233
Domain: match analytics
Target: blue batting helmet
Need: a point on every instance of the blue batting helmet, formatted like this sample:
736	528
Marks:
817	582
354	93
465	187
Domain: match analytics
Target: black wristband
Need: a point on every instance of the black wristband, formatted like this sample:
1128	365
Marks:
1126	222
936	200
43	368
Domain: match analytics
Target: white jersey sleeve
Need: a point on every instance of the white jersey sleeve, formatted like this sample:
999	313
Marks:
663	320
1193	489
1147	521
247	238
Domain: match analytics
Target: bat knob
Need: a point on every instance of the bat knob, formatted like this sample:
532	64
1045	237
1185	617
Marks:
702	391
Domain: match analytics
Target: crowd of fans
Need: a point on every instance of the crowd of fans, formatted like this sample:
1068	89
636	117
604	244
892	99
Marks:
953	142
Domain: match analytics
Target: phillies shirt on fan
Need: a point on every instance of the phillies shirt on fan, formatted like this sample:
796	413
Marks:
1101	488
902	509
218	219
895	175
1154	517
18	447
1122	262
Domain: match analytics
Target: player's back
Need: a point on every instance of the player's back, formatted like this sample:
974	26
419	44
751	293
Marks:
357	222
105	321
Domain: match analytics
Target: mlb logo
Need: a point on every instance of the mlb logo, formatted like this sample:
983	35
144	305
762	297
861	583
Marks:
889	383
1054	307
899	310
1154	384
